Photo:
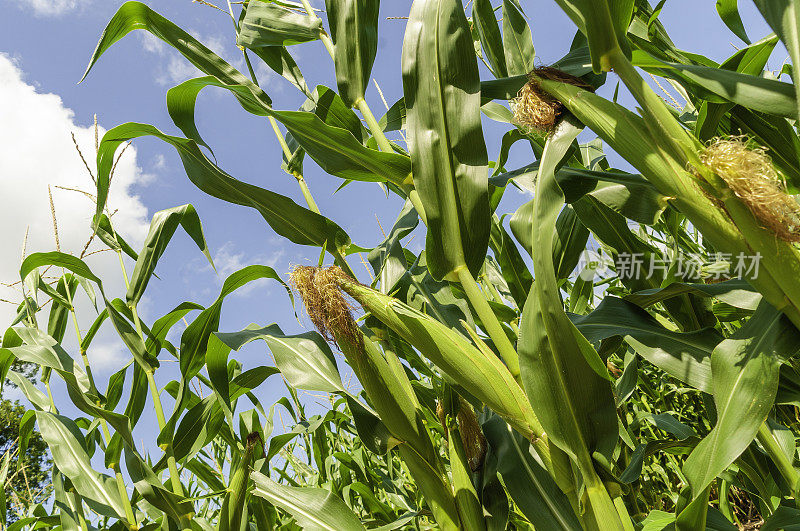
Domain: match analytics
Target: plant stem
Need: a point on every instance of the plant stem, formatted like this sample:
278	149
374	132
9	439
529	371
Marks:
782	462
386	146
324	37
744	234
175	478
312	205
177	488
662	124
490	322
123	491
374	127
603	511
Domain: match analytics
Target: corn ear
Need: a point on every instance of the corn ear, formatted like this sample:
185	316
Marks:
469	507
434	486
237	490
392	396
628	135
398	409
484	376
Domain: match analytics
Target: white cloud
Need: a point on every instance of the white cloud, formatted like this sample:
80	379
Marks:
159	162
174	68
52	8
229	259
36	150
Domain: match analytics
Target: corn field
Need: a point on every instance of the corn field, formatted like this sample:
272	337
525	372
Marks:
619	353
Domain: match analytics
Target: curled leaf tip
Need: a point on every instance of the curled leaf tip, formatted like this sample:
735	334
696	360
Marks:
537	111
750	175
325	303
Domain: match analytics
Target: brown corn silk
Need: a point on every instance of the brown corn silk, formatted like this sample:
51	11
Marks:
537	111
325	303
471	435
750	175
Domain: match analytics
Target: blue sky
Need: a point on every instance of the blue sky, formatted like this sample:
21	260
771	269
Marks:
44	48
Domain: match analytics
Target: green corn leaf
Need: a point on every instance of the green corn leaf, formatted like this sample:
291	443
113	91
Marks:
26	424
686	356
442	93
278	442
529	484
206	474
313	508
65	502
750	60
305	360
729	13
68	448
745	371
395	117
107	234
136	15
569	238
162	227
332	110
491	40
372	432
512	266
74	264
149	487
217	366
203	421
605	24
156	340
34	395
737	293
334	148
564	377
194	340
517	40
270	24
784	18
388	260
281	61
630	195
286	217
721	85
115	387
569	242
131	338
90	334
59	313
354	31
784	517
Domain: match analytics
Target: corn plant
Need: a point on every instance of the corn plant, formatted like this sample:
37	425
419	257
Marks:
503	384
